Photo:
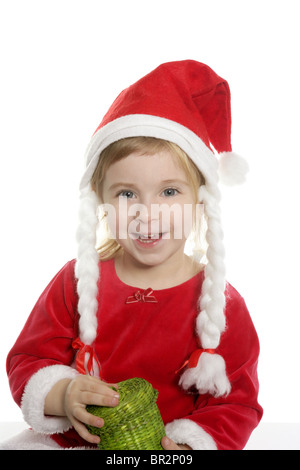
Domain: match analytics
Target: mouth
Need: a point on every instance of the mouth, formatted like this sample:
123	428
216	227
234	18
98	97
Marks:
148	240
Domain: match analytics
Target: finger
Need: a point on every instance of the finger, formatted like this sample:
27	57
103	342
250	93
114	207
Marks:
98	381
94	385
84	433
112	385
81	415
168	444
96	399
99	398
78	420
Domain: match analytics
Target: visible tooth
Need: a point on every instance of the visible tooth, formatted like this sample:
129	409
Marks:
149	237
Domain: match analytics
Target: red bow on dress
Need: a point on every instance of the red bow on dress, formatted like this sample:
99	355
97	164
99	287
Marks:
83	367
142	296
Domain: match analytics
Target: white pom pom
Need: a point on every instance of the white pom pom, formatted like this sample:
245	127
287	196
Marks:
232	169
209	376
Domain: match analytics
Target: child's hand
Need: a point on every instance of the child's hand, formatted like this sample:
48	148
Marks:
168	444
86	390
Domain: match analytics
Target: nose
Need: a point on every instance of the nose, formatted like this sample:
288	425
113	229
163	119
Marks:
143	213
147	218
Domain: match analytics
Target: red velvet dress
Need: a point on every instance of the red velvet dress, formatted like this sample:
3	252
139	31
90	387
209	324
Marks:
149	336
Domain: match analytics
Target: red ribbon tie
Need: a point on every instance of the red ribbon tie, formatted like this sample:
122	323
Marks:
83	366
194	358
142	296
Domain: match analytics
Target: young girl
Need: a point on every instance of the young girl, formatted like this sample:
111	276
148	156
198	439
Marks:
139	306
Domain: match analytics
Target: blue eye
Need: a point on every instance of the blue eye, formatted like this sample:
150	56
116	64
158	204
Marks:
170	192
126	194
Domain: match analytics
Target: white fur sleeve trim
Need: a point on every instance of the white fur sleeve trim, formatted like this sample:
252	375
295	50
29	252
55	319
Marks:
33	399
186	431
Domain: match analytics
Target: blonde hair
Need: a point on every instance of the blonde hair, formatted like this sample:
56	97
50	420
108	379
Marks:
145	146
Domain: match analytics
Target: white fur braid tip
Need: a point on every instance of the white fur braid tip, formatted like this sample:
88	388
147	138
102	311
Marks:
232	169
209	376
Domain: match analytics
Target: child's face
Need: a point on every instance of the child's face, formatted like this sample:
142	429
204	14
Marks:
150	204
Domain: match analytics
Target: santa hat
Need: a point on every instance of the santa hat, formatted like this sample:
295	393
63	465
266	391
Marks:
188	104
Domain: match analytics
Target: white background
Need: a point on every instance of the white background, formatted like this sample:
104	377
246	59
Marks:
62	64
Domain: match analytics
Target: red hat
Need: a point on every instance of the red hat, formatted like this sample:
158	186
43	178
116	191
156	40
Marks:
188	93
187	103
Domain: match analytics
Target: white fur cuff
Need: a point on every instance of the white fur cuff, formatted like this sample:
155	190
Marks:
33	399
185	431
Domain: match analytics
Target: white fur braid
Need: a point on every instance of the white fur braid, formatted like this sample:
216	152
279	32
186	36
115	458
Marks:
87	266
209	375
211	319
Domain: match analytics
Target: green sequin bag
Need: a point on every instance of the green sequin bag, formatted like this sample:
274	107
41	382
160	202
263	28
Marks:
135	424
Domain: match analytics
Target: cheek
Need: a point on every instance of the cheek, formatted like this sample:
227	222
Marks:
115	219
119	218
122	225
181	221
188	219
